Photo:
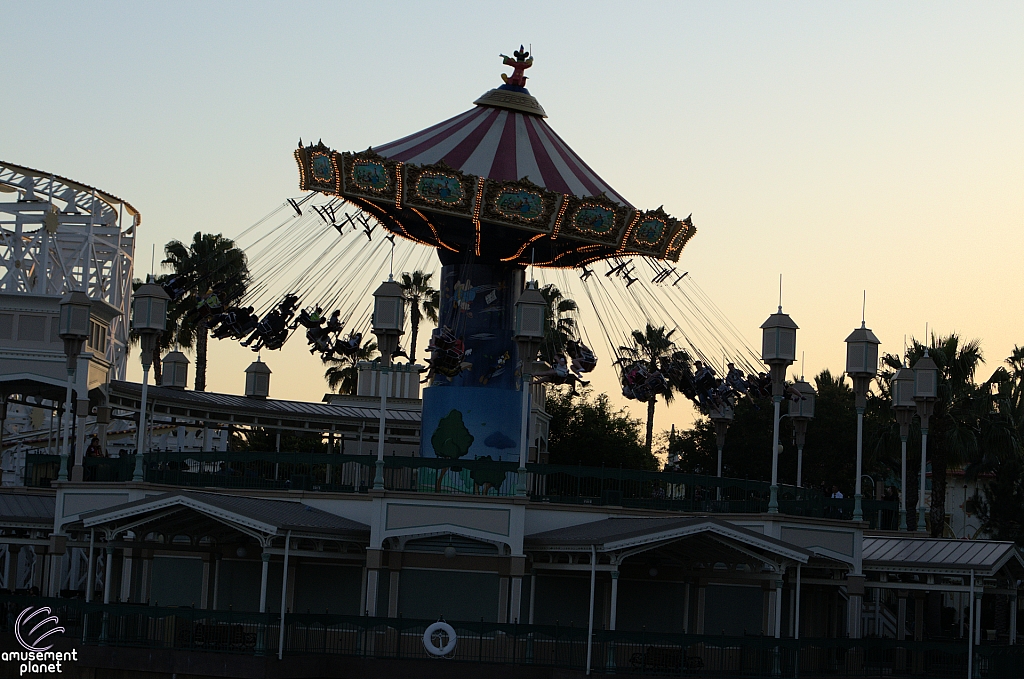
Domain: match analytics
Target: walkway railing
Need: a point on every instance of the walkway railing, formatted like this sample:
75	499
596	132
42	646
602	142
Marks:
189	629
562	484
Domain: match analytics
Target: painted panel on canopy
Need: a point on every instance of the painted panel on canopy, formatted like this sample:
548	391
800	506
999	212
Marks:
370	175
594	219
322	168
440	188
519	203
649	232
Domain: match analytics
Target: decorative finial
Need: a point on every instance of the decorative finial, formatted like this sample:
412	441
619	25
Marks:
522	61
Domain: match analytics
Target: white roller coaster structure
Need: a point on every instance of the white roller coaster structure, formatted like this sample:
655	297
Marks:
59	235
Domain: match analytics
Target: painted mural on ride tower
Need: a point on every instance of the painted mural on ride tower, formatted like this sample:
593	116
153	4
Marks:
493	190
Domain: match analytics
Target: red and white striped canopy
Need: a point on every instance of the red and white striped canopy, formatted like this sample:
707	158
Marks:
505	145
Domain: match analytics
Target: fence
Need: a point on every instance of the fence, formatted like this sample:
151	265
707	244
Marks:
563	484
189	629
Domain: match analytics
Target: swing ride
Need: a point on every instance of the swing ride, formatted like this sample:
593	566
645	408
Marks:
491	191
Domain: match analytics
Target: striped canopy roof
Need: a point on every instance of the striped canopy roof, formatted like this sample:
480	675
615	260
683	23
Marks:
505	145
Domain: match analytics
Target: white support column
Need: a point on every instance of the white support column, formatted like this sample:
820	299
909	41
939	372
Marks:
615	600
503	598
701	591
107	572
284	595
371	592
393	586
1013	618
686	608
90	573
777	622
533	592
901	616
263	580
204	592
126	574
796	625
216	580
972	638
590	623
515	603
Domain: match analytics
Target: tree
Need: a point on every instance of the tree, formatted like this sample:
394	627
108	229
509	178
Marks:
966	430
828	451
422	299
213	263
585	430
560	325
343	373
649	347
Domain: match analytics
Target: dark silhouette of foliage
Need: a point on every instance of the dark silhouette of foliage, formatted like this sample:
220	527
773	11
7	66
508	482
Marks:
585	430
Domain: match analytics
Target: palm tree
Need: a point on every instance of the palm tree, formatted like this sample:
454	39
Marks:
343	373
210	260
650	346
422	299
967	429
561	325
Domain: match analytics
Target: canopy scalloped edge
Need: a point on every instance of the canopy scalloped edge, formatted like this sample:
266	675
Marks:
402	195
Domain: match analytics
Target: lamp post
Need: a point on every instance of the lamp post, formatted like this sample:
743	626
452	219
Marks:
778	351
74	330
388	327
926	392
721	418
149	320
861	366
902	391
531	309
801	412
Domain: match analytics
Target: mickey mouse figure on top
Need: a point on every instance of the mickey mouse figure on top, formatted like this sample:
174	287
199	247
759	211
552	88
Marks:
523	61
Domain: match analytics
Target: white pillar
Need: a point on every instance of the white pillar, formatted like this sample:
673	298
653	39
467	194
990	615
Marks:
371	592
140	430
126	575
284	594
62	474
524	432
796	630
90	572
1013	617
590	624
216	580
615	600
971	636
533	592
515	603
263	580
901	617
107	570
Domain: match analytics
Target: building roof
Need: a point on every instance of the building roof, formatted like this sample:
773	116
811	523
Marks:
614	534
233	408
23	509
985	557
502	145
269	517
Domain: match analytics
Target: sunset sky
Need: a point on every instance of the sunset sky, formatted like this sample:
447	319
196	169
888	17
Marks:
870	146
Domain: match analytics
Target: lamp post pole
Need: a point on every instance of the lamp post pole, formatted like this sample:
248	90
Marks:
801	412
902	391
149	320
926	392
721	418
74	330
861	366
388	327
778	351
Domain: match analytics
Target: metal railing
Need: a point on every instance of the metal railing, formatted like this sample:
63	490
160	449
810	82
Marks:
562	484
190	629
